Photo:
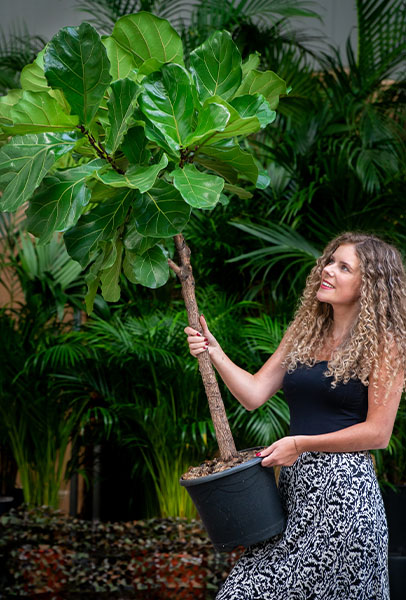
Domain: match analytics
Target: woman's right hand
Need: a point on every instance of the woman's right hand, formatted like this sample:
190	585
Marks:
198	342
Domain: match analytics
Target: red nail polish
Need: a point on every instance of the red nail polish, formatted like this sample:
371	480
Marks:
258	454
199	334
206	340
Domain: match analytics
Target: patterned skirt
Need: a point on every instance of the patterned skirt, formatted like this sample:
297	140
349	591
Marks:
335	543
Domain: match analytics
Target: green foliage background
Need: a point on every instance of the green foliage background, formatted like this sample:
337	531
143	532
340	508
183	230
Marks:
335	158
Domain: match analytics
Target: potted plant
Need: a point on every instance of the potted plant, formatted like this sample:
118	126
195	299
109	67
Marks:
114	142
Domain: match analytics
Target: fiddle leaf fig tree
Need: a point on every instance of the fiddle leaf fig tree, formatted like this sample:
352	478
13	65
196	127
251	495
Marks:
113	141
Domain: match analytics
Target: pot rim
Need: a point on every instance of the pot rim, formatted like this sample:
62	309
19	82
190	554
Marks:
241	467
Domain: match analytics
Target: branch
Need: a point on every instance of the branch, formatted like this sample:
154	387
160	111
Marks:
183	250
99	149
175	268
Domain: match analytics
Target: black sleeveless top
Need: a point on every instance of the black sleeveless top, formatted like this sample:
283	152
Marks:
315	407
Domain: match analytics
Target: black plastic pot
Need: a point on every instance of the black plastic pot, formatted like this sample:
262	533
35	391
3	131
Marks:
239	506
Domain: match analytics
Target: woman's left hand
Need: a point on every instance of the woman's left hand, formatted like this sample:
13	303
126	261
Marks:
283	452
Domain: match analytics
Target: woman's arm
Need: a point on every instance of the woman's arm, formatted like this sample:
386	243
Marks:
373	433
250	390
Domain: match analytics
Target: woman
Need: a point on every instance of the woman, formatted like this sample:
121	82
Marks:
342	366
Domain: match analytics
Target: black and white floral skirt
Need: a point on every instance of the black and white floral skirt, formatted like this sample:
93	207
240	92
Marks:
335	543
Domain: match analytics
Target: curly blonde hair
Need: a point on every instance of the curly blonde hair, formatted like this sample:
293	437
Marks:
379	331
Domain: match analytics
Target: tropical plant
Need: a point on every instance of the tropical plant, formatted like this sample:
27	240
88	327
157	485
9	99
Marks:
197	20
17	48
140	402
114	142
340	163
38	423
391	463
269	422
41	275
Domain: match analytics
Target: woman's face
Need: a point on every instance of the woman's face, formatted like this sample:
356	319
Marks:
341	277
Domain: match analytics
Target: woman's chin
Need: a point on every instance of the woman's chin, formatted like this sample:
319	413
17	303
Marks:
322	296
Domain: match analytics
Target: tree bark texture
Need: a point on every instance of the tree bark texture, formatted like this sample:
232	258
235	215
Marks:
218	414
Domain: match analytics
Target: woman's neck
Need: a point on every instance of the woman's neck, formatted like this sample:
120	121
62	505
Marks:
343	319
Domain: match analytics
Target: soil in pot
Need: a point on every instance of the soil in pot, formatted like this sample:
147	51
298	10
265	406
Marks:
216	465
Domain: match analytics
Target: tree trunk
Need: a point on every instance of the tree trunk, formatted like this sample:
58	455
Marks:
218	414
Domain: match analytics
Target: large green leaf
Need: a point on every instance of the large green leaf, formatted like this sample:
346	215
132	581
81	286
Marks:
133	240
237	190
92	278
212	118
122	63
146	37
33	80
236	125
121	106
6	104
36	112
128	267
256	105
59	201
165	142
25	161
134	146
266	83
32	76
110	274
216	66
227	159
76	62
200	190
137	177
251	63
167	101
98	225
223	169
161	212
150	269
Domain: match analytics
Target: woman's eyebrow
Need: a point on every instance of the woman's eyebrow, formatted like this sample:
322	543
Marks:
347	264
341	261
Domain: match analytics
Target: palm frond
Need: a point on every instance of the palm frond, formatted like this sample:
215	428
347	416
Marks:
220	14
288	247
143	337
266	424
65	351
17	48
272	8
103	14
36	260
381	37
264	332
285	241
10	223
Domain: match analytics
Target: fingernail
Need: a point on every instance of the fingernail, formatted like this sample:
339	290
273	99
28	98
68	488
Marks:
258	454
199	334
206	340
